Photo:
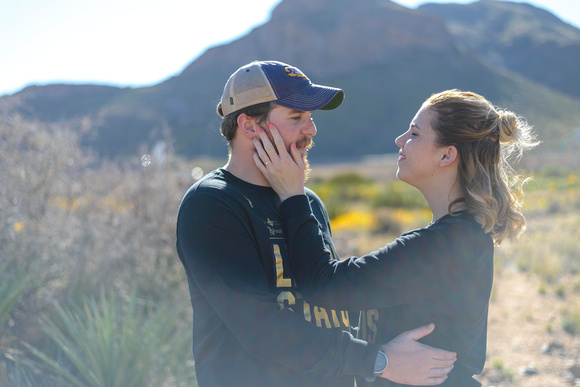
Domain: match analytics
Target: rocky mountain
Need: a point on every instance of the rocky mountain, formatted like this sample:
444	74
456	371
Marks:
518	37
386	57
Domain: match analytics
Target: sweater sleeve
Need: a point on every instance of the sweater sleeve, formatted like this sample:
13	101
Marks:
417	266
221	259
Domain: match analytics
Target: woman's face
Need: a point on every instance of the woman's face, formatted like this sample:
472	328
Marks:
419	155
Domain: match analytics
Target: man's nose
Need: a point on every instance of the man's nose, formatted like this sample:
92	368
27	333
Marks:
309	129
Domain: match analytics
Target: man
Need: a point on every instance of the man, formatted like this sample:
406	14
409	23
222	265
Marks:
251	326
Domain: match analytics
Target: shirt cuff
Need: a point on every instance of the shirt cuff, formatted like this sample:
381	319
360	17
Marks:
296	207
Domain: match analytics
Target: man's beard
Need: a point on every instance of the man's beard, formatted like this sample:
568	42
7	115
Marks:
308	144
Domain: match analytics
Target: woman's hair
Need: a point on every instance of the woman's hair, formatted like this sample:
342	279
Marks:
487	139
230	122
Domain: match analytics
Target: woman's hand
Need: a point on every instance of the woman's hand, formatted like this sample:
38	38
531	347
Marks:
284	171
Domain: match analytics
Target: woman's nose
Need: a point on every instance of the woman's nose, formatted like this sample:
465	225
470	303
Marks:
400	141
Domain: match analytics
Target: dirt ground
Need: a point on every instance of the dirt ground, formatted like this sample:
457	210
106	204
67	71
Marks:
527	345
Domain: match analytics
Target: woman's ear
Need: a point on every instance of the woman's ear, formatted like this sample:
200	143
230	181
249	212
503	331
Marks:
247	126
449	156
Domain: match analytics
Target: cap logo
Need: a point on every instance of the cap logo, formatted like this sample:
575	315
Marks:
231	100
294	72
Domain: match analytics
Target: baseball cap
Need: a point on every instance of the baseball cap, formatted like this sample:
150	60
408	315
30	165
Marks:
265	81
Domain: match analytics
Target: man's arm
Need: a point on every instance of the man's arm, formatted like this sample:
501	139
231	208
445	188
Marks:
411	362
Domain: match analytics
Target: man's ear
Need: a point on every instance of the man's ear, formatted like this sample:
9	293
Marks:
449	156
247	126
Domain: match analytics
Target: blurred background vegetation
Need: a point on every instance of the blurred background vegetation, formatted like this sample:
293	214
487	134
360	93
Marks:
92	292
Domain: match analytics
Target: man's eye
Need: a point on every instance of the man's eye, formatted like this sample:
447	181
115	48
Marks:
413	133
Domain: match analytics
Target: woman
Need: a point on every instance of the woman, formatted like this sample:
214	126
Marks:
456	153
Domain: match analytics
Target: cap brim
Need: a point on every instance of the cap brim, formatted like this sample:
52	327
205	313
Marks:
314	97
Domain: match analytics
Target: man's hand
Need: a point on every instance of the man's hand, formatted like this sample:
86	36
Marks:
414	363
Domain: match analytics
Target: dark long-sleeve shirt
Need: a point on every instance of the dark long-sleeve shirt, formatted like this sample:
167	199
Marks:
251	325
442	273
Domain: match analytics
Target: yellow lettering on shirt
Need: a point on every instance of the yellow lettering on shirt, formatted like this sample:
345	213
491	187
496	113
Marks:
281	282
320	315
292	298
286	300
369	319
306	309
345	319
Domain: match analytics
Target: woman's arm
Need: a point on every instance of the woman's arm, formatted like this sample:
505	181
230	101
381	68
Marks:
415	267
286	175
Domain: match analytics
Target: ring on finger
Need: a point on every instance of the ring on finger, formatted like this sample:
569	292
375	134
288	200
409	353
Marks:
266	163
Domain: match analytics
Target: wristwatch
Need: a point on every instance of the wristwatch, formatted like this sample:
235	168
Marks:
381	363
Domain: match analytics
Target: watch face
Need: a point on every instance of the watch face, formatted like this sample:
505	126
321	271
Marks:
380	362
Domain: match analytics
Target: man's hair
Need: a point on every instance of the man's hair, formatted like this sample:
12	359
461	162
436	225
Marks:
229	123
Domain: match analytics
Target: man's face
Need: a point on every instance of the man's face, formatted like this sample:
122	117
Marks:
293	126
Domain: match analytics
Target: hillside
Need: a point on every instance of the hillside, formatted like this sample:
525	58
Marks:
388	58
516	37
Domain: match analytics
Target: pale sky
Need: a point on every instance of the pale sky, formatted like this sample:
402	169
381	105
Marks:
134	42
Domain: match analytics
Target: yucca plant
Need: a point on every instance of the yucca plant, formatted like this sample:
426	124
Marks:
14	282
22	371
12	286
112	341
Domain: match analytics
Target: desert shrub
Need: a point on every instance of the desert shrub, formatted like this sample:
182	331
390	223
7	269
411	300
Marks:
343	191
571	323
398	220
553	171
557	192
354	220
113	341
560	291
11	289
83	220
344	186
74	224
349	179
549	248
397	194
37	163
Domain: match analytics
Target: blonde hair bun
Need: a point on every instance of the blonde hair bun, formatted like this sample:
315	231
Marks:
508	126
